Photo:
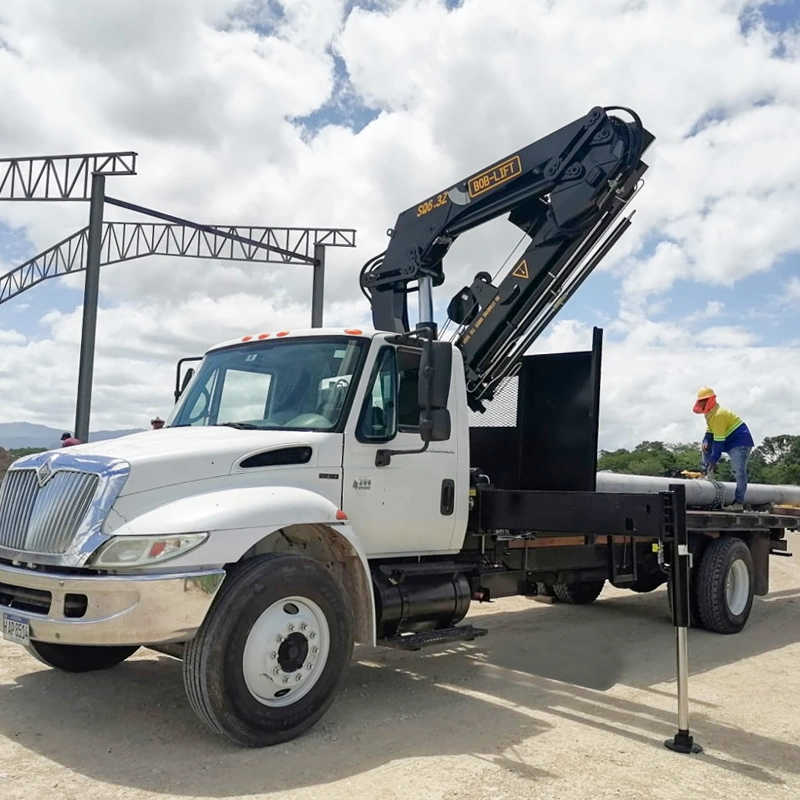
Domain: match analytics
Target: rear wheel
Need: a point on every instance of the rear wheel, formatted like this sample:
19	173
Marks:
578	594
79	658
725	585
272	651
545	589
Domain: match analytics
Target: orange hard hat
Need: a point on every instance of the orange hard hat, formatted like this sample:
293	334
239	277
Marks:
706	400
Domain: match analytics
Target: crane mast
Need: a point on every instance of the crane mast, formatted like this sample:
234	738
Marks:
566	191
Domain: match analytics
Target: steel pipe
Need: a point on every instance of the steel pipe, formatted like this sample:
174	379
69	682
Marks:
699	491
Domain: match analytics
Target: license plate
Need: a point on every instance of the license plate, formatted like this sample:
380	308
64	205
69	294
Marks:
16	629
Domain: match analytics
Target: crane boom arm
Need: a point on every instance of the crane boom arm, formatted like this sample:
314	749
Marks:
565	191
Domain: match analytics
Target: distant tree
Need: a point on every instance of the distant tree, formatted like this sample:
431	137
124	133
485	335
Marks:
7	457
776	460
19	452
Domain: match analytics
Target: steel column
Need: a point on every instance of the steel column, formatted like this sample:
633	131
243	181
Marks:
91	294
318	286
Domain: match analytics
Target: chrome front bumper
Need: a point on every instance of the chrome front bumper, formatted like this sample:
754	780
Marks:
121	610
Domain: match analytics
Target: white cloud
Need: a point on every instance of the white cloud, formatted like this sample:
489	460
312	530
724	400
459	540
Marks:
11	337
792	290
648	389
206	92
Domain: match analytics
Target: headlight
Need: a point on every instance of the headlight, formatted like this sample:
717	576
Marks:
137	551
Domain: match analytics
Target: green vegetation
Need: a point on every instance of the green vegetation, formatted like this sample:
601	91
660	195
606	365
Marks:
19	452
9	456
776	460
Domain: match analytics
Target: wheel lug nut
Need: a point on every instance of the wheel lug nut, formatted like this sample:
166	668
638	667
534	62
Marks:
286	679
312	635
315	649
279	638
299	678
303	626
276	671
309	666
291	627
273	655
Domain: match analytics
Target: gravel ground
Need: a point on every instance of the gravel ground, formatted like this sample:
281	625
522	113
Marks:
556	702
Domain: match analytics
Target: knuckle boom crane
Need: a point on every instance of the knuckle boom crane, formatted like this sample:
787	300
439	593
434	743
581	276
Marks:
565	191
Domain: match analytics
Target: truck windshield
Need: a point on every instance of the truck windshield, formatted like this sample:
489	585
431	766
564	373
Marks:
302	383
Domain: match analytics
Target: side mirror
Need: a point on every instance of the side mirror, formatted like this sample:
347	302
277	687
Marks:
434	425
180	386
435	370
186	378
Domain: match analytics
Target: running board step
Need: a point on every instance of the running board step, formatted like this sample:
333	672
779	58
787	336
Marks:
416	641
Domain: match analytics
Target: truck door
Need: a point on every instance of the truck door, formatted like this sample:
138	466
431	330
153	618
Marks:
409	505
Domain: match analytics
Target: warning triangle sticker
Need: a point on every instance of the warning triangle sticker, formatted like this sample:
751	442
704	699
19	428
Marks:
521	270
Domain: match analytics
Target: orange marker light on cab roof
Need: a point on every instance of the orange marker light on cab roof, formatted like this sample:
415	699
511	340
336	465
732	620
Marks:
353	331
246	338
282	333
263	335
340	514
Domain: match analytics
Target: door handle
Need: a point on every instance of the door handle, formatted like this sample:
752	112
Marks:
448	497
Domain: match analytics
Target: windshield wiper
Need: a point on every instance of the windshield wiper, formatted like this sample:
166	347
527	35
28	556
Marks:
240	426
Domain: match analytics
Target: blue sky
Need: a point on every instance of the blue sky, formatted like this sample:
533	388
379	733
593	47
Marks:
421	119
595	303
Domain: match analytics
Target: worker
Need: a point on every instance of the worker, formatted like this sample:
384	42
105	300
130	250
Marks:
68	440
725	433
157	424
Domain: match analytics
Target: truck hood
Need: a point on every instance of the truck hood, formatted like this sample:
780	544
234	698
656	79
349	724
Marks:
183	455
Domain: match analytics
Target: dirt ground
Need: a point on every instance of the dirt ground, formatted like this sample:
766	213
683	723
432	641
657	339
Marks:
556	702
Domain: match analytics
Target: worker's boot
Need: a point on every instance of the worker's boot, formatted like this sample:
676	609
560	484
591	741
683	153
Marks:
734	507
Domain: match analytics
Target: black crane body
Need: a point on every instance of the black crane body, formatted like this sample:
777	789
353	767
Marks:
565	191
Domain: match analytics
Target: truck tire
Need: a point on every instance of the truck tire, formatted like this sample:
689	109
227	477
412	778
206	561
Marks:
725	585
271	652
578	594
79	657
545	589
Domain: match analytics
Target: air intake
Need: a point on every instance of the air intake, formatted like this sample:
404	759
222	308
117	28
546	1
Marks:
283	456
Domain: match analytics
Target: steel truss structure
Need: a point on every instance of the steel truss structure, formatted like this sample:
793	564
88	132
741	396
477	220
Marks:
126	241
82	178
59	177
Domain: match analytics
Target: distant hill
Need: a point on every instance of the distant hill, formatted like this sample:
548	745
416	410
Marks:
14	435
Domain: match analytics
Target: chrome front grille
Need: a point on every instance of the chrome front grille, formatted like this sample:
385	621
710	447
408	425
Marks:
44	519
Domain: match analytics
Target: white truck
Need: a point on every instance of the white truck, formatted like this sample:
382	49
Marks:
316	488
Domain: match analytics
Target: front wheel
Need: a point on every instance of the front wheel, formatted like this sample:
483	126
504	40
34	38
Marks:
272	651
78	657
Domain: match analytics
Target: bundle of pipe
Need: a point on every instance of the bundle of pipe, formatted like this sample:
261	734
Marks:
700	492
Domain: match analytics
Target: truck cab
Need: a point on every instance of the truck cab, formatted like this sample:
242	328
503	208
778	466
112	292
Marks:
313	408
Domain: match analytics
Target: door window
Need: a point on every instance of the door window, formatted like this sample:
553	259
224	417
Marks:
377	420
391	404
